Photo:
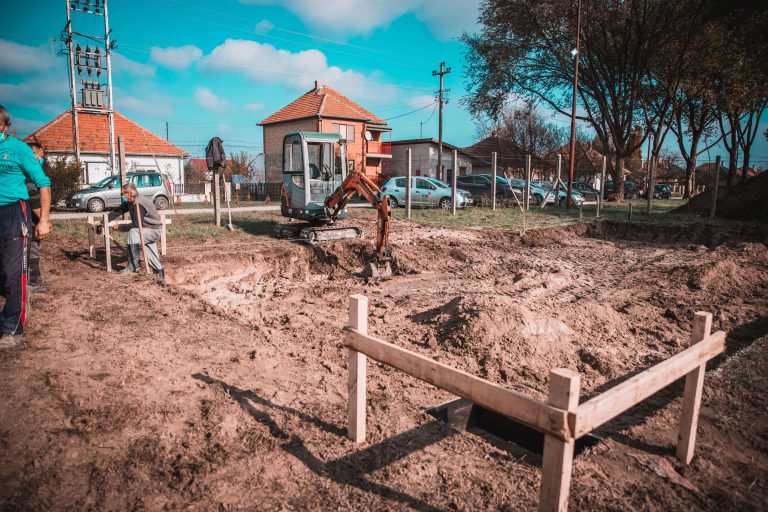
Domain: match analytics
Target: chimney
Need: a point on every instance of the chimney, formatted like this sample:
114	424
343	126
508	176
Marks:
318	85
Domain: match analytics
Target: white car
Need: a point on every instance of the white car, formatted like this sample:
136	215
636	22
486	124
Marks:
425	192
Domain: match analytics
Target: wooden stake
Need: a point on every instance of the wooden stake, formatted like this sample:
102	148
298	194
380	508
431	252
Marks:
141	234
91	237
107	244
358	320
163	236
493	183
694	384
557	460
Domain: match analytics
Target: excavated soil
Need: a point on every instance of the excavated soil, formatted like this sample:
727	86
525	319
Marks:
225	388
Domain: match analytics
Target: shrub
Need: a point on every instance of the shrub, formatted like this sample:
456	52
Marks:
65	175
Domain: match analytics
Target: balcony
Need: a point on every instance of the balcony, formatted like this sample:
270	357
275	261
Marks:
377	149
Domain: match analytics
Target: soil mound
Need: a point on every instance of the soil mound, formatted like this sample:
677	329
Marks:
743	202
501	337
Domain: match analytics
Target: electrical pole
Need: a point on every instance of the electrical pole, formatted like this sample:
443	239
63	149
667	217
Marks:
572	149
443	71
166	131
97	59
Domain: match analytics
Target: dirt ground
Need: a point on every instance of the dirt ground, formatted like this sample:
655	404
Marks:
225	388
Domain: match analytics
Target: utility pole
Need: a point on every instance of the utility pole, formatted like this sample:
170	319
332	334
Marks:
96	60
443	71
166	131
572	149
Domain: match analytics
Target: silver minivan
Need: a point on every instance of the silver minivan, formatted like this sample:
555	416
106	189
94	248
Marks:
425	192
106	193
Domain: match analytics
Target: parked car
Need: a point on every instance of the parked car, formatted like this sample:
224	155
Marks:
537	193
660	191
481	187
589	193
576	196
630	190
425	192
106	193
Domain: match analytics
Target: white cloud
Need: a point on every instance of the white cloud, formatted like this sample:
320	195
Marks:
264	63
142	106
22	59
123	65
264	26
176	57
48	95
421	101
445	18
207	99
254	106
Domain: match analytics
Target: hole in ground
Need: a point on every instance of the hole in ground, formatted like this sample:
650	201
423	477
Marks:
508	434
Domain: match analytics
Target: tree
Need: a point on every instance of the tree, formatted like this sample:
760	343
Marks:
66	176
524	49
241	163
527	129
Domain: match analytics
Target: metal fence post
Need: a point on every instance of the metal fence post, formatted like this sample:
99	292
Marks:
453	181
409	174
493	183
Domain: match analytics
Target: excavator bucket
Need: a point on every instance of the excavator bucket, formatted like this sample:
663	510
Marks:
317	234
381	270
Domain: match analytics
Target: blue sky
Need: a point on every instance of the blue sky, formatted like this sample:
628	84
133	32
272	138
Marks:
217	68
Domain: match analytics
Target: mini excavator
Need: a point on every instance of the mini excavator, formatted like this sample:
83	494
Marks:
317	188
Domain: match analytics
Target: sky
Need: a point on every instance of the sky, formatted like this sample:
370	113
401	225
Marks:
218	68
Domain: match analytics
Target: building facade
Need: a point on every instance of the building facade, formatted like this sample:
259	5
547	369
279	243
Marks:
143	149
325	110
424	159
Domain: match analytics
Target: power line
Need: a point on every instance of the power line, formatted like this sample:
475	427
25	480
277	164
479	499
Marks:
411	112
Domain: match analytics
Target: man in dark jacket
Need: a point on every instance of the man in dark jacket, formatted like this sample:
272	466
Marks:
151	227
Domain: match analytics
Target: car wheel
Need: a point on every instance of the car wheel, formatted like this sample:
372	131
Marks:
445	203
393	202
95	205
562	201
161	203
536	200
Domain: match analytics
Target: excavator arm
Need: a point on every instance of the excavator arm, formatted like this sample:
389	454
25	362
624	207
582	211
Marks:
358	183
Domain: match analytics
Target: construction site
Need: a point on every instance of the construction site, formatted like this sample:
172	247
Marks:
226	387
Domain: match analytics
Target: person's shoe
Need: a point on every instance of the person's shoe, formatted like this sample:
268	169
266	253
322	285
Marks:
161	274
9	340
127	270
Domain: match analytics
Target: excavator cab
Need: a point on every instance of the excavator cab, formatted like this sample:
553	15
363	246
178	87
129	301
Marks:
318	159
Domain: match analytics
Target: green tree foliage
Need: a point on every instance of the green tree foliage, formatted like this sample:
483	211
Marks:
66	177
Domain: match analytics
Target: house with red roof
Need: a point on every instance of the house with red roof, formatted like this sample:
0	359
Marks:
326	110
143	149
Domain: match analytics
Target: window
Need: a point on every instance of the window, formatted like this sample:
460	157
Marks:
400	182
154	180
292	157
146	180
424	184
347	131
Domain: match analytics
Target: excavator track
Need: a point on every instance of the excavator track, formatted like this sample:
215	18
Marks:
317	234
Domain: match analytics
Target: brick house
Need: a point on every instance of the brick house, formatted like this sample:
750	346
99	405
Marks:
143	149
424	158
325	110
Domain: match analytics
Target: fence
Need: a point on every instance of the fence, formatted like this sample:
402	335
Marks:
562	419
241	192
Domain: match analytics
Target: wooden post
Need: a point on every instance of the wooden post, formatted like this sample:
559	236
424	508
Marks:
91	237
454	194
714	195
163	236
409	176
630	212
123	166
527	198
141	235
557	460
216	197
107	244
694	384
358	320
493	183
602	187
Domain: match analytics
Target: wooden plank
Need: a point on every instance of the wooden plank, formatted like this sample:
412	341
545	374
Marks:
358	320
557	460
514	405
163	236
107	244
92	222
694	385
618	399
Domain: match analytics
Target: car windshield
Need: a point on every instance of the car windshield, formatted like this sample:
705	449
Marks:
103	183
438	183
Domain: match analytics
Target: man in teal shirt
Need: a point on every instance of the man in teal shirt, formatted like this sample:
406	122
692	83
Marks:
17	162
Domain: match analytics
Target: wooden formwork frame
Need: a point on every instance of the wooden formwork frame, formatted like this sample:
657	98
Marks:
91	227
562	419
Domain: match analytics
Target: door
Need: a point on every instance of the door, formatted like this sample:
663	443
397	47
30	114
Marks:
293	171
422	193
112	193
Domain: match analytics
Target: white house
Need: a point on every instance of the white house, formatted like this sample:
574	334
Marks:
143	149
424	158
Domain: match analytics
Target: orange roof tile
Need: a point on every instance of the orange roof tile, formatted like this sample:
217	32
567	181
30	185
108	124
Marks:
323	102
93	130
